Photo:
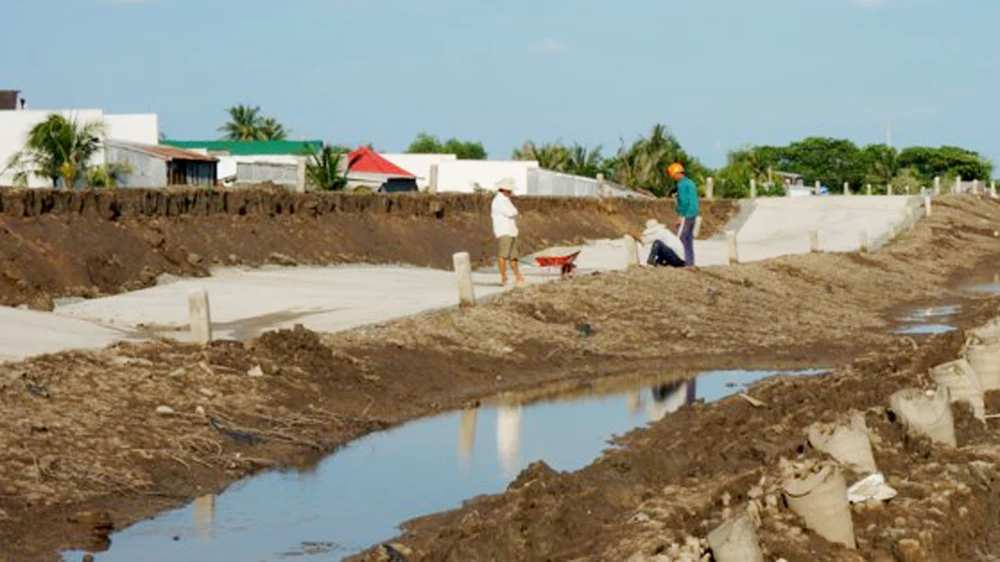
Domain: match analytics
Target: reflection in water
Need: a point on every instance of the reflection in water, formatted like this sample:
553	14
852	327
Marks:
467	435
204	517
508	437
670	397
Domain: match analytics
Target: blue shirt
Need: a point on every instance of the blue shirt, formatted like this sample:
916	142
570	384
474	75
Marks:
687	198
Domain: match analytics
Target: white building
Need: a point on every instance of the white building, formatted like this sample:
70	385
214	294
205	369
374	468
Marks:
16	124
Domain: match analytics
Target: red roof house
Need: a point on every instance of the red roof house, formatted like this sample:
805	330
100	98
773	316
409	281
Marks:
367	161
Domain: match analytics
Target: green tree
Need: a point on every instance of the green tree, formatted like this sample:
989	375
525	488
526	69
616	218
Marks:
326	169
881	164
829	161
270	129
246	123
107	176
58	149
464	150
643	164
946	161
550	156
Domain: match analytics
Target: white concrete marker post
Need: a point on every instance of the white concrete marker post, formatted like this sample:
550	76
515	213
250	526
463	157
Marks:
814	241
600	185
697	226
888	189
200	316
993	189
847	188
975	186
753	189
432	181
958	185
927	205
863	247
869	189
937	185
817	187
731	248
710	189
631	252
463	275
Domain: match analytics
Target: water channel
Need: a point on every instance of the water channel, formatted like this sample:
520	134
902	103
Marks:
360	495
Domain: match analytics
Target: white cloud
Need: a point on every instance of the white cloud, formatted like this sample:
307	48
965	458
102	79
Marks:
549	46
870	3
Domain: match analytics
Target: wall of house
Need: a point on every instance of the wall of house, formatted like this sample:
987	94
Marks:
15	126
462	176
145	170
419	164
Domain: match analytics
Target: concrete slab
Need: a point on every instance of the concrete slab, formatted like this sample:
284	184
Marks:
28	333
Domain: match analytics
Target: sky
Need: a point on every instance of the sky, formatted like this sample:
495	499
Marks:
720	74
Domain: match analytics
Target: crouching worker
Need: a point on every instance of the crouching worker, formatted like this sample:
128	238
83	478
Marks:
665	247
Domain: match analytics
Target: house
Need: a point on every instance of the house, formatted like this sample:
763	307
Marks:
370	171
160	166
254	162
16	123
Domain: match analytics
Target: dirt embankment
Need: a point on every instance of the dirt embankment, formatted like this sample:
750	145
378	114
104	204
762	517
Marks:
94	243
85	445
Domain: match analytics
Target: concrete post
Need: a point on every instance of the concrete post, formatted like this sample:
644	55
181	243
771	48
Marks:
463	274
993	189
300	177
753	189
710	189
631	252
814	241
432	181
200	316
869	189
958	185
697	227
817	187
732	248
600	185
888	189
937	185
847	188
863	247
927	205
907	189
975	186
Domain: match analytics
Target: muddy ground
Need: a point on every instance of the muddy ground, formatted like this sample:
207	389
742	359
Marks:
55	244
87	450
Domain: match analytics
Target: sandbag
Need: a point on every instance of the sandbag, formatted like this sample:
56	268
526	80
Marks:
847	443
817	492
736	541
963	385
926	414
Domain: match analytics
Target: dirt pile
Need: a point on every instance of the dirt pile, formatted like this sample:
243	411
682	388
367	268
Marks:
123	433
94	243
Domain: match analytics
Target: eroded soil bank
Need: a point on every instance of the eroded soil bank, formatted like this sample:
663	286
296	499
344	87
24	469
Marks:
87	244
86	448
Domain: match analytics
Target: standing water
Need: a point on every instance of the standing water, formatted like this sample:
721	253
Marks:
359	495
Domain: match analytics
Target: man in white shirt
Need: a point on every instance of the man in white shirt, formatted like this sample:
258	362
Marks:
503	211
665	247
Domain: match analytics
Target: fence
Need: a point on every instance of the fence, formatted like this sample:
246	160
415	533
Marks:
554	184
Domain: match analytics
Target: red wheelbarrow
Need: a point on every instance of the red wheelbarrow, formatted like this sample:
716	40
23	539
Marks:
563	258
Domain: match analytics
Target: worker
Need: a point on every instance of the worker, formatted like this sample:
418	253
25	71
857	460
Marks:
665	248
687	209
503	211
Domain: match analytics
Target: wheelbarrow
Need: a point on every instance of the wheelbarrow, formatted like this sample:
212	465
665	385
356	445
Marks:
563	258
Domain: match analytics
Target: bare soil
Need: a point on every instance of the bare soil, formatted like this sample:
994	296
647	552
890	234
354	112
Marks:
86	450
87	244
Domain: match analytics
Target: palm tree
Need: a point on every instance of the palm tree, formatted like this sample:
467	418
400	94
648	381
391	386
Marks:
323	168
244	123
583	162
270	129
57	148
550	156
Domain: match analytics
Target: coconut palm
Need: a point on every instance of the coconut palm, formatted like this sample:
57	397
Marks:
270	129
323	168
244	123
58	149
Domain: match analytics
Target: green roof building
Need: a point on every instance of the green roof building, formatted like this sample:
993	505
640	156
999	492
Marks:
248	148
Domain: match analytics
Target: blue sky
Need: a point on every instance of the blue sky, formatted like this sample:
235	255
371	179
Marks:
719	73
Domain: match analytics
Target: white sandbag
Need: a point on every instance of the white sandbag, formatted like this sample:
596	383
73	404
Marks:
847	443
926	414
963	385
817	493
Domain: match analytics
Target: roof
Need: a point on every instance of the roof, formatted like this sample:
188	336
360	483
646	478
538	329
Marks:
249	148
168	153
367	161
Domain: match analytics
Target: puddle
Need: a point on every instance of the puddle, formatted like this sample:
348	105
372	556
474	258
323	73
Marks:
358	496
926	321
991	288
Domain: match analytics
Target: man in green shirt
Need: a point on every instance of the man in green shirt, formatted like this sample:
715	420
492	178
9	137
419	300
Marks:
687	209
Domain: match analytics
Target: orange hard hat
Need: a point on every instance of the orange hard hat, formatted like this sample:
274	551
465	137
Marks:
675	168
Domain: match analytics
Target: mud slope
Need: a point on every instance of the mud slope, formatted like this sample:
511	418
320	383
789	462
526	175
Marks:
85	446
94	243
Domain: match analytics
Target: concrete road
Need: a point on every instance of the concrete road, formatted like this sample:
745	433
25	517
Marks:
329	299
